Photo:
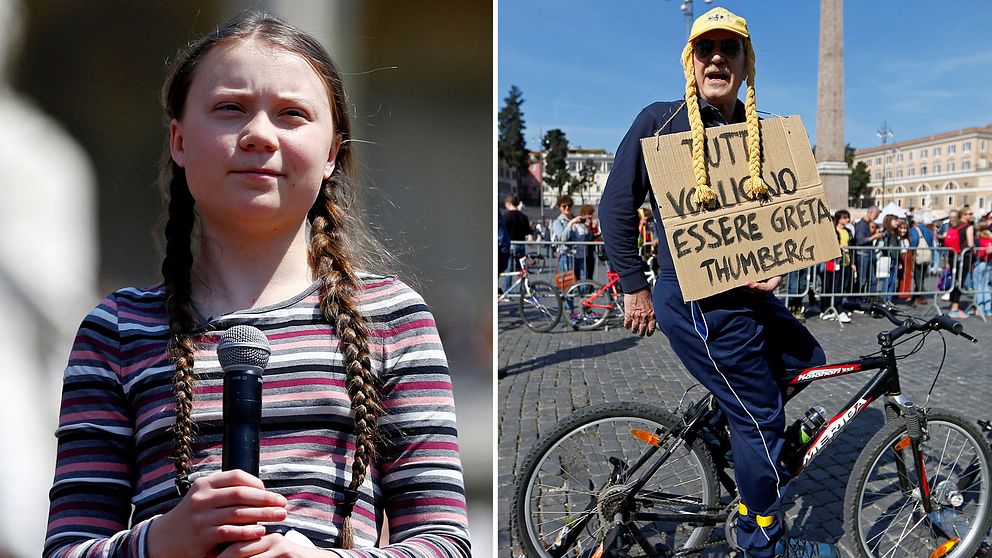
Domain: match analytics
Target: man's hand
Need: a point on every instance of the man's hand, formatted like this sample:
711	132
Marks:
638	312
766	286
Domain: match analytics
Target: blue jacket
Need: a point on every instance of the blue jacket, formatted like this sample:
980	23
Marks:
914	235
628	186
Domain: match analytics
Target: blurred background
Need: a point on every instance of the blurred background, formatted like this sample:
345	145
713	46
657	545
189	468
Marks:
79	99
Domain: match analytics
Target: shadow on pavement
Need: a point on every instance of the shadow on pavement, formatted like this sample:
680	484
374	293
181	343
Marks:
565	355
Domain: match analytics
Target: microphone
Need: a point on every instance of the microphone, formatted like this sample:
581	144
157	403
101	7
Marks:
244	353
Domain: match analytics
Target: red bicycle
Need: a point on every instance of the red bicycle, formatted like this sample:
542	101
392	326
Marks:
589	303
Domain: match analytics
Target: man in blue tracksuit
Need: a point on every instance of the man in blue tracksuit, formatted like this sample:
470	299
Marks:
735	343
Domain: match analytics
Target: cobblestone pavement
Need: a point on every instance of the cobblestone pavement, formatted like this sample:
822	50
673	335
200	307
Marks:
545	377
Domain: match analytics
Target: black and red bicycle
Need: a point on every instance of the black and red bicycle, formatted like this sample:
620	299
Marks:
629	479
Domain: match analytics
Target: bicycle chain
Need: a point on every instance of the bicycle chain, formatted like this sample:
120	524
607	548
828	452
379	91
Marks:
699	548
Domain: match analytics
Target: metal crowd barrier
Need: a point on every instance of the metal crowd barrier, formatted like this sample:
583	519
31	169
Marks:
864	273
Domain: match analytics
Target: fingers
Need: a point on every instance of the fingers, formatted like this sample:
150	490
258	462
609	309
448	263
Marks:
237	477
239	496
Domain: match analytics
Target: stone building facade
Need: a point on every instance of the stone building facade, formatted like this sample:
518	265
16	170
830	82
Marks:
933	174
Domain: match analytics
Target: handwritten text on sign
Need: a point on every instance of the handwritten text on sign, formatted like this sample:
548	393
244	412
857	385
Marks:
740	239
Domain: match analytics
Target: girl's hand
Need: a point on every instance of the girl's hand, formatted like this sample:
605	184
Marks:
270	546
218	509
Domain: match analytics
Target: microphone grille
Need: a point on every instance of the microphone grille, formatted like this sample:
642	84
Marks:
243	345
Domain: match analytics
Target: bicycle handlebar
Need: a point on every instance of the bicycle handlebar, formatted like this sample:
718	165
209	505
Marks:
909	324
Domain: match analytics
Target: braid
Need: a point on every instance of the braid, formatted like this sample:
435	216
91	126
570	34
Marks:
756	187
178	289
704	194
339	306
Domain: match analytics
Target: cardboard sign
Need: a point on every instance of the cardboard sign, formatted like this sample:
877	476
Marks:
741	239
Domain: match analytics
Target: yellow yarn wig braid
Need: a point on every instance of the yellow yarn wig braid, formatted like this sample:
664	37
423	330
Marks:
755	187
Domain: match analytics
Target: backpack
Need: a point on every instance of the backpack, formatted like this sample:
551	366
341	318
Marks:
923	255
952	239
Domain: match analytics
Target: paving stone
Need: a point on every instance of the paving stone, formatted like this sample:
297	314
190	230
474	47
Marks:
546	377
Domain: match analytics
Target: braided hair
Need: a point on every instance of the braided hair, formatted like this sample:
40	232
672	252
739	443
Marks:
340	244
755	186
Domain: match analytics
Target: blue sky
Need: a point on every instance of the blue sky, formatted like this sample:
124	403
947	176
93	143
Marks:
588	67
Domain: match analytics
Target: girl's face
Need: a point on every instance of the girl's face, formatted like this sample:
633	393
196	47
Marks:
256	137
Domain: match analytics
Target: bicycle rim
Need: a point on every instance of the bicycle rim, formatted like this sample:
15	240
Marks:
586	309
540	306
891	521
570	482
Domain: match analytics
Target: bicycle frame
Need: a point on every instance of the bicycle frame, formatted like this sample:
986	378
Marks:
591	301
885	384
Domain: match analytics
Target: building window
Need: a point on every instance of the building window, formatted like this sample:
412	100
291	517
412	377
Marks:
982	145
899	157
966	146
966	164
952	149
888	173
878	160
936	151
936	168
950	166
950	201
910	155
981	202
899	202
899	173
923	154
912	171
923	170
888	159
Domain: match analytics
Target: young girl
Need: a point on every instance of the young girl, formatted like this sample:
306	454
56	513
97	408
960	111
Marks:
357	417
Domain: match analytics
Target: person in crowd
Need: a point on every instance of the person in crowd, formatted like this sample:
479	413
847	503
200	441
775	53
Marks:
961	240
922	241
982	274
905	265
591	225
565	228
518	226
865	236
735	343
886	265
357	419
502	244
838	273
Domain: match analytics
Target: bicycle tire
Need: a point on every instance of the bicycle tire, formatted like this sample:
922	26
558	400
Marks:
540	305
556	476
586	318
883	518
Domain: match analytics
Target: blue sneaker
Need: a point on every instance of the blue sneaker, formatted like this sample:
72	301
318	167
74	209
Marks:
798	547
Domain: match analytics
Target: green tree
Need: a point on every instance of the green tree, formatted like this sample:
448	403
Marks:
511	145
584	181
857	183
556	173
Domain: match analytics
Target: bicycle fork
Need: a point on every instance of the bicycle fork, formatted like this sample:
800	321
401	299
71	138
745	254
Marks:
899	406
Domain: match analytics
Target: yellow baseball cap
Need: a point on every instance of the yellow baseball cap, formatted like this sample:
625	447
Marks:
718	18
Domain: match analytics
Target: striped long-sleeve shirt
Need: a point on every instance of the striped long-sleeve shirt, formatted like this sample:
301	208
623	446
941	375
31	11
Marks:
115	469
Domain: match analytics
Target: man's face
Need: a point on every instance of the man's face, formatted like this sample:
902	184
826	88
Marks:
719	74
953	216
566	209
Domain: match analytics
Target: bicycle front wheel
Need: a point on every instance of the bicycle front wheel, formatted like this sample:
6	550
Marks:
588	309
883	507
540	305
575	486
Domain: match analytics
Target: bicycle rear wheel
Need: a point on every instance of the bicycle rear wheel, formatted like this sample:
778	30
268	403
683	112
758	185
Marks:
540	305
568	494
587	309
883	508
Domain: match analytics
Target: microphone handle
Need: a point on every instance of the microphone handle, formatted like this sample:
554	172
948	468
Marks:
242	417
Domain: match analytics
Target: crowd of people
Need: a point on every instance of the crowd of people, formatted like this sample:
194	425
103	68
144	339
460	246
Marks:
893	258
889	257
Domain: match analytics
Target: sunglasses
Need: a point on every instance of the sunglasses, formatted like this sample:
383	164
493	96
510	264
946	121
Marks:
565	205
730	48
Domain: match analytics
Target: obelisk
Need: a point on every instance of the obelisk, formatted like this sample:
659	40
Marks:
830	105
